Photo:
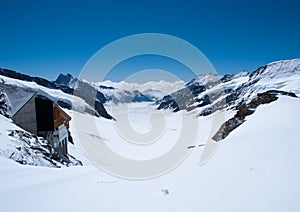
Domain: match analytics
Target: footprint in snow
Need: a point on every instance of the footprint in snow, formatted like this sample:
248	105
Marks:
165	191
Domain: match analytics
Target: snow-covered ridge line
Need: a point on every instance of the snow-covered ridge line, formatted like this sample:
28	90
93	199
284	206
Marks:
235	89
295	60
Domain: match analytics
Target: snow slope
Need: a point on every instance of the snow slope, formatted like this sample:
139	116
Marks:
254	169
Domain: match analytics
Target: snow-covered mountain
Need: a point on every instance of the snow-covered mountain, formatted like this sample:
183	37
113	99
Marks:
242	92
281	75
209	93
255	167
203	95
204	92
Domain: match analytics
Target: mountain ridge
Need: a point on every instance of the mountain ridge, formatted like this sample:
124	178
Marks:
204	91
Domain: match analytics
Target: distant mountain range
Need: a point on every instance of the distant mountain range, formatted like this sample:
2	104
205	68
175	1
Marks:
121	92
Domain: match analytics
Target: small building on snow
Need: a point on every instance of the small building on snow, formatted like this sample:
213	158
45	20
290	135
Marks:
40	116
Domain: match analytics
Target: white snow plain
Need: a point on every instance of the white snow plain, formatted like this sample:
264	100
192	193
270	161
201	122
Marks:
254	169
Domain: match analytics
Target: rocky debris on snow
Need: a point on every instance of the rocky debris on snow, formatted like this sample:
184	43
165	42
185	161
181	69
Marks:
193	146
28	149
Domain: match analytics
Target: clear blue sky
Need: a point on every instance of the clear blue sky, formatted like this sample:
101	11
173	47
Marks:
45	38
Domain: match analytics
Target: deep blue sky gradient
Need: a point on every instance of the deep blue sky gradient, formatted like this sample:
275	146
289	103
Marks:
45	38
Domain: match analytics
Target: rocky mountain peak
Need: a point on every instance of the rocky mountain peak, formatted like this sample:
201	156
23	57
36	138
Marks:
63	79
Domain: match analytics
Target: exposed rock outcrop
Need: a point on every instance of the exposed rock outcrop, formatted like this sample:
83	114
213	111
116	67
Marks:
5	106
28	149
246	110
